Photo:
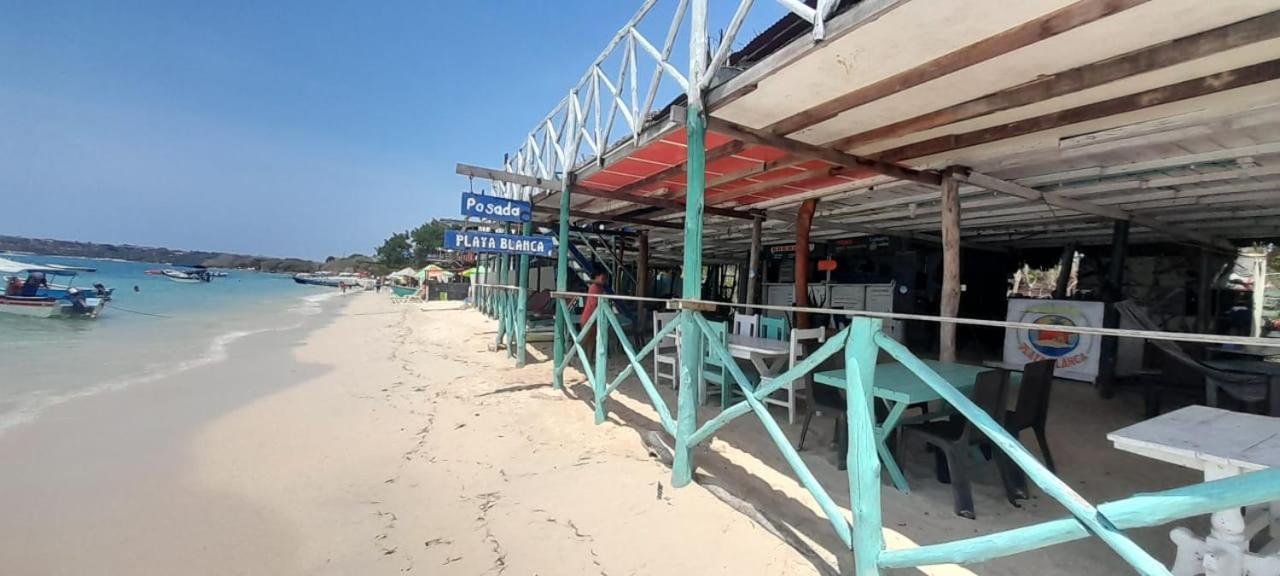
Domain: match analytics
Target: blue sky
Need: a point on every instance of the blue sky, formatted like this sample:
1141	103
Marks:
280	128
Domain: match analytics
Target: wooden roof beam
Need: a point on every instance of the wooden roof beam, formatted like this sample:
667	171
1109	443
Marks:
610	218
806	150
663	203
1062	20
724	151
1196	87
1057	199
1245	32
496	175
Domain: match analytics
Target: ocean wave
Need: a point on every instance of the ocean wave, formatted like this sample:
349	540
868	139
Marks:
312	304
34	404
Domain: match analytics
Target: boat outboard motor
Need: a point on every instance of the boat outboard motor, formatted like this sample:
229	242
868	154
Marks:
103	292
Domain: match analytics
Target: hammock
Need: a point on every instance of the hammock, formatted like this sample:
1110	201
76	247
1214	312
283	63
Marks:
1245	387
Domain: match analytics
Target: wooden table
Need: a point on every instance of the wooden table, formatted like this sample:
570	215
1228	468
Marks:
1269	369
1222	444
769	357
900	388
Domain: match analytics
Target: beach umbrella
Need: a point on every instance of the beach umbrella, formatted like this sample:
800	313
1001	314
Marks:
403	272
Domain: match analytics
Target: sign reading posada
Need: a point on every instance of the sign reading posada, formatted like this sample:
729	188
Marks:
1075	355
489	242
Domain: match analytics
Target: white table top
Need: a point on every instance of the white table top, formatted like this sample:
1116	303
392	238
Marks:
745	346
1198	437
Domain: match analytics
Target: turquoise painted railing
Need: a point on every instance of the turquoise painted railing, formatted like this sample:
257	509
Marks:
502	303
861	343
605	321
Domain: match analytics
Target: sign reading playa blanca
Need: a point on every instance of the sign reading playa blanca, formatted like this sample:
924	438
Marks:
495	208
467	241
1075	355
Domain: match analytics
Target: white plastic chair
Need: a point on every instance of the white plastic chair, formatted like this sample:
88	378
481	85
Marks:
667	352
786	396
746	324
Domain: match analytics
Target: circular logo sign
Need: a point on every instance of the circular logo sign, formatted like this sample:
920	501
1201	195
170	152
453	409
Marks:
1053	343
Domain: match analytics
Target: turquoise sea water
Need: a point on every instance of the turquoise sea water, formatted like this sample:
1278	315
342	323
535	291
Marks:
161	330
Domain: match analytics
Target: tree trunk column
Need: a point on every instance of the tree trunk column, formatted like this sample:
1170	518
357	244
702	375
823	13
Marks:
804	223
690	334
753	266
1065	266
522	302
642	284
1113	292
950	267
562	285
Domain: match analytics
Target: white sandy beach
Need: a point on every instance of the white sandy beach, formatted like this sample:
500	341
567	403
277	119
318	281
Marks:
389	440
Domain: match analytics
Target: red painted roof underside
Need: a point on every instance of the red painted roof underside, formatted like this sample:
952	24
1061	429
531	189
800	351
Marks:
669	150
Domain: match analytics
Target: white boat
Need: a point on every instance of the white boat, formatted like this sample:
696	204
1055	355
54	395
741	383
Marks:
27	292
186	276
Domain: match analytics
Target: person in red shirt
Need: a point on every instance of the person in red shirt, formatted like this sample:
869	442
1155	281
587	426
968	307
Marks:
598	283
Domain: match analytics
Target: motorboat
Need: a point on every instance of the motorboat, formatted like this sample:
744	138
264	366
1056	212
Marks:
28	292
195	275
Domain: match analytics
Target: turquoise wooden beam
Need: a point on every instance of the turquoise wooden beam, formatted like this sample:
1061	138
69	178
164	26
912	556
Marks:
522	302
827	350
1085	512
1138	511
828	506
602	357
562	285
577	343
501	293
690	345
863	460
664	415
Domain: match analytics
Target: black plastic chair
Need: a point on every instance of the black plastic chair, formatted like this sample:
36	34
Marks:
955	441
1032	410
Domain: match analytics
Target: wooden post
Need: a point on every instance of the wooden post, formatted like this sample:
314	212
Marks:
950	267
502	300
804	223
1259	292
602	355
522	302
1065	265
862	461
1204	294
1113	291
753	267
642	284
562	285
695	196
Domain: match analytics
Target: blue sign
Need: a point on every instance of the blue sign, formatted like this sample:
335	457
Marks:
466	241
495	208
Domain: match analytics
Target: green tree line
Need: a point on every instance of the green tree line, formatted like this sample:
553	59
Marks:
412	247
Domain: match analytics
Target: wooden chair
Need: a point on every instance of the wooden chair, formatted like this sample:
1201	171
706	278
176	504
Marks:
802	341
955	441
714	373
1032	409
667	352
746	324
773	328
